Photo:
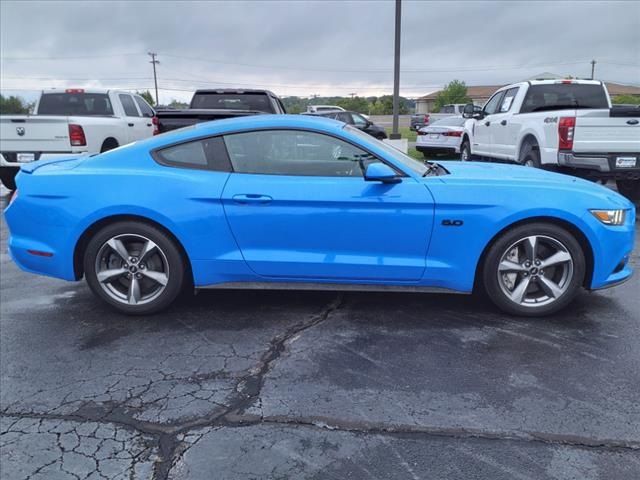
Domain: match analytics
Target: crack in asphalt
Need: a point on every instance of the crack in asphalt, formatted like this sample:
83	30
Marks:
169	437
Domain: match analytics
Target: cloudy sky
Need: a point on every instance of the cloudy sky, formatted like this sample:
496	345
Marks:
311	47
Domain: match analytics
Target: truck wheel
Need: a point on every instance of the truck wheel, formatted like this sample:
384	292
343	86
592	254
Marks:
109	144
630	189
465	151
8	178
530	157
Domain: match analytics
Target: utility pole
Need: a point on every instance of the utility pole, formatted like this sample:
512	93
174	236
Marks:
396	73
154	62
593	68
353	95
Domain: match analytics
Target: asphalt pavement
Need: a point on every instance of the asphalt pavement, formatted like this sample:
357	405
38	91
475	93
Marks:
275	385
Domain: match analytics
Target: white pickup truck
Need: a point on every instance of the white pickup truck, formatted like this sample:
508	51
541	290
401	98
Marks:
567	125
72	122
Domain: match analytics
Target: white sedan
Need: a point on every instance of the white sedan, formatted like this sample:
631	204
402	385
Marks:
442	136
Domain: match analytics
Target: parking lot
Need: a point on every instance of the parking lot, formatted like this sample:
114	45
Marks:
246	384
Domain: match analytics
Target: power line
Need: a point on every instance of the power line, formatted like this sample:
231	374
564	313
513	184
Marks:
75	57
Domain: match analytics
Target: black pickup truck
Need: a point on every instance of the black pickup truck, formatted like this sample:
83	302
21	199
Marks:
209	105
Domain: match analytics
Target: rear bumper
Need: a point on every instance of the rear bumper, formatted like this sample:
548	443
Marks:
436	150
601	165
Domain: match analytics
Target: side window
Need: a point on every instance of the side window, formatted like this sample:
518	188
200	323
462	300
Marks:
295	152
208	153
507	101
146	110
130	109
358	120
344	117
492	105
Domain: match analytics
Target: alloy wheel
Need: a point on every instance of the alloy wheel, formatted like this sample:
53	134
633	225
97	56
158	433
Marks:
535	271
132	269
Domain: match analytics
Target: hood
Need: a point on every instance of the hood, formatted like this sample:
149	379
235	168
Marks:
526	177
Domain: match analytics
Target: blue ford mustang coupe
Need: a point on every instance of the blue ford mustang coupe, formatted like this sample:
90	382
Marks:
286	201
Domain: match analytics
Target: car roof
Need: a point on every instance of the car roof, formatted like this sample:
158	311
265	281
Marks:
233	91
251	122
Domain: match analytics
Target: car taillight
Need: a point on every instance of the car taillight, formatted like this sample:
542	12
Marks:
76	135
420	132
154	121
426	119
566	128
452	134
74	90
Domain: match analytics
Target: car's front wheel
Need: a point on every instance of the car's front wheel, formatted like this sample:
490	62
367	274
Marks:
534	269
134	267
465	151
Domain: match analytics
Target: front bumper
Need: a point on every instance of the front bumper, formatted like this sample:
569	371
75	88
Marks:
601	165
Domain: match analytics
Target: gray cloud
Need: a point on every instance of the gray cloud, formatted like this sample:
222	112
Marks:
302	48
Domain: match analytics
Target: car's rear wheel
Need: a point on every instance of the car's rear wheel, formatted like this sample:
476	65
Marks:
134	267
534	269
630	189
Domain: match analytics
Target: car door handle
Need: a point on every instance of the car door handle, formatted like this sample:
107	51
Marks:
251	198
130	124
486	124
149	124
503	122
632	122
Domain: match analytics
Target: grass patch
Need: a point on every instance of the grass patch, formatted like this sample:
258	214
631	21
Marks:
404	132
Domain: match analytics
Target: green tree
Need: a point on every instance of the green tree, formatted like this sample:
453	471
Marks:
177	104
148	97
626	99
13	105
454	92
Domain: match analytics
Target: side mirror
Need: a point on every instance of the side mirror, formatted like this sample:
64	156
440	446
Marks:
379	172
472	111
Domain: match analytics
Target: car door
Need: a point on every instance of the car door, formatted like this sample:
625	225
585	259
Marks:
361	123
299	208
482	141
146	127
502	126
133	120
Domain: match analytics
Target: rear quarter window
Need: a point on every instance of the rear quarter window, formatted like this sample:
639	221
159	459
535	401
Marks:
202	154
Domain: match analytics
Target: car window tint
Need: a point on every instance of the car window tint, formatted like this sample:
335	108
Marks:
208	153
492	105
564	95
295	152
146	110
507	101
130	109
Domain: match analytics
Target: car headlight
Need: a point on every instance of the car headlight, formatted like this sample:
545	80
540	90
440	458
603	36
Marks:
610	217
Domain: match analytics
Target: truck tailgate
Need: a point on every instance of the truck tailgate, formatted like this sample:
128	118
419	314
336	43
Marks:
23	133
597	132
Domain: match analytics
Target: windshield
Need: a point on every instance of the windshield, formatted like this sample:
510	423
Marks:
410	163
79	104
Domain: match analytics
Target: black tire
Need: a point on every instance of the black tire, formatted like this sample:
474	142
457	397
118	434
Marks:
465	151
176	266
8	178
109	144
530	156
630	189
491	279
